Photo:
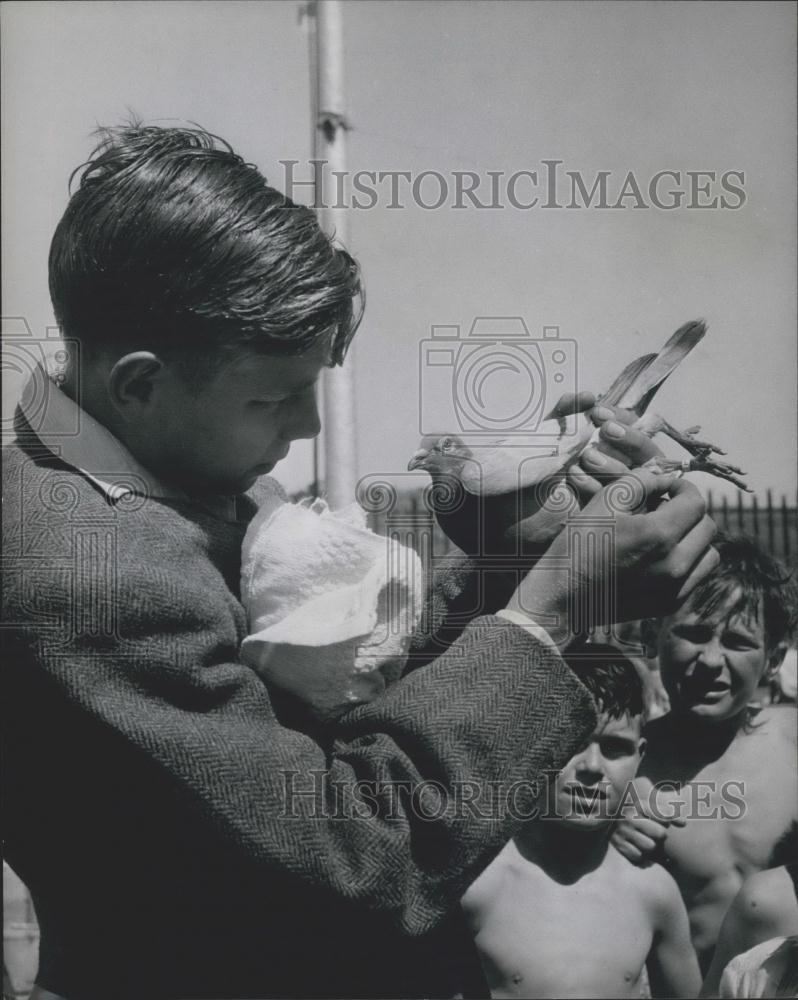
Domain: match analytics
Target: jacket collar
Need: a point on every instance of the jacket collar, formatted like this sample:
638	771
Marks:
75	437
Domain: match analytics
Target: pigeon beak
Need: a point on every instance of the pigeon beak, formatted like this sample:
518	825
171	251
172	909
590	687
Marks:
418	459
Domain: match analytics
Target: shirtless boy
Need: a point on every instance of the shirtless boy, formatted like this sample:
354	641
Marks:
560	913
764	910
730	770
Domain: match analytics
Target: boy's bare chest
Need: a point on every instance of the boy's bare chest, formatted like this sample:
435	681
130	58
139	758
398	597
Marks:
538	937
737	807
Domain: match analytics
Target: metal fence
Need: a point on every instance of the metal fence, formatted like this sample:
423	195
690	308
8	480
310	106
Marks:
772	521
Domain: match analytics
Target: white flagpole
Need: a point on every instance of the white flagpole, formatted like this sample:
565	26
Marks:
339	430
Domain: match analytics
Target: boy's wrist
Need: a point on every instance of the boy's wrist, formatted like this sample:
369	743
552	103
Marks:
520	618
545	610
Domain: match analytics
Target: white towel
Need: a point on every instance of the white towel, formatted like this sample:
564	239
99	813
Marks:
331	604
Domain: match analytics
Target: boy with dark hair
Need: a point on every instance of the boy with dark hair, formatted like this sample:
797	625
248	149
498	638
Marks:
560	913
178	839
175	262
219	259
730	767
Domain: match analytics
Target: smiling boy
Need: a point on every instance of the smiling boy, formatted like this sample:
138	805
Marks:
729	768
560	913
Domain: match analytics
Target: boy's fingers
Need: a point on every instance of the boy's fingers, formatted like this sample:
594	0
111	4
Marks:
604	412
667	808
640	841
598	462
629	851
654	830
683	487
681	514
677	820
594	470
630	492
614	455
634	445
600	467
703	567
585	485
685	555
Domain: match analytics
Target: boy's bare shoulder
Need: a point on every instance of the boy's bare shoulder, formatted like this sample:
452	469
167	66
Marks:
779	722
655	884
508	863
764	889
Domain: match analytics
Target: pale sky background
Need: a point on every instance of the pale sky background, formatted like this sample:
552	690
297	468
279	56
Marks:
470	86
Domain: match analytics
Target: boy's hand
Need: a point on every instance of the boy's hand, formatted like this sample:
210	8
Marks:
643	830
620	448
614	564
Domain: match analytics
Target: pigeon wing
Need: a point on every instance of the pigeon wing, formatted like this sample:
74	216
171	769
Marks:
625	382
644	386
505	465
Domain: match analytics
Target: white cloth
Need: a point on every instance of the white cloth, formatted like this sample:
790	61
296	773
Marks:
530	626
331	604
787	677
762	970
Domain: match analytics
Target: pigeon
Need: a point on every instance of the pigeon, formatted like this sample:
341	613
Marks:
483	493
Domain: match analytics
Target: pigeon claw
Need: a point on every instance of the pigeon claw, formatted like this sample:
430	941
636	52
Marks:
652	424
723	470
688	440
703	463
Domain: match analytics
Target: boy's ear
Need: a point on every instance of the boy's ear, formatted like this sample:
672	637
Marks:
775	660
642	744
132	379
649	633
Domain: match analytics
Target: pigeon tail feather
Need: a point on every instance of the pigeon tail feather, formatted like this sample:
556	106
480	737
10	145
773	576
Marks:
644	385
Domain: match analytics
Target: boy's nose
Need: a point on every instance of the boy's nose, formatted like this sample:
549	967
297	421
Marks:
591	762
303	420
711	655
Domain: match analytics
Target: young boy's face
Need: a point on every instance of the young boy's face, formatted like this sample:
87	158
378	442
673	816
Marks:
219	437
590	788
711	666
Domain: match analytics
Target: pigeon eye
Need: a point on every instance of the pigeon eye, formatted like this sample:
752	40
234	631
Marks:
447	444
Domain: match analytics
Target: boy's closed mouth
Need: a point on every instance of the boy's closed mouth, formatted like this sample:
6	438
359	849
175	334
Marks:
263	467
589	794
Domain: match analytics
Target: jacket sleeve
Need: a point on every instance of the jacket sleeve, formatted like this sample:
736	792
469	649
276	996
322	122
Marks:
410	797
458	590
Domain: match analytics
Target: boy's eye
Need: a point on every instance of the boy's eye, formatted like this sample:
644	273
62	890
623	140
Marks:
733	640
693	633
615	748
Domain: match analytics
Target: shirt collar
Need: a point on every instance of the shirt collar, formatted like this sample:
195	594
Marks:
75	437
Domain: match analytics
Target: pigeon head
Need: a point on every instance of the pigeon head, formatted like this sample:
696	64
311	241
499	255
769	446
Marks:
444	454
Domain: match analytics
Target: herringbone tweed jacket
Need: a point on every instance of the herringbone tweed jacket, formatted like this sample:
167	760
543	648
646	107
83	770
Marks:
185	835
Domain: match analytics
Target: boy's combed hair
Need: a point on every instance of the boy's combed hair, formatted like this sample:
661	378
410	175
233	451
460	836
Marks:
610	677
747	578
173	243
